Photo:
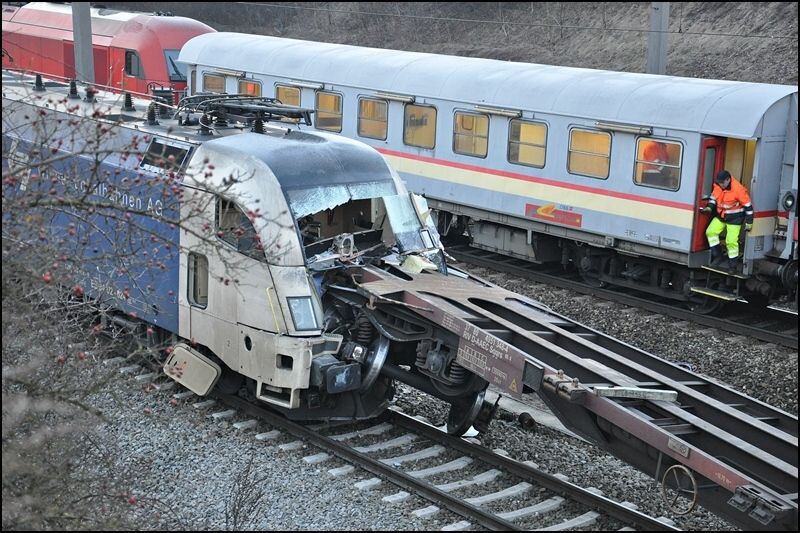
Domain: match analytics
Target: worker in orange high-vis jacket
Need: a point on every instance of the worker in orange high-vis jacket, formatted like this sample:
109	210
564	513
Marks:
731	204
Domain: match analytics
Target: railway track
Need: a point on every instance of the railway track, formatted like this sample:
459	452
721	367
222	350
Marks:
541	500
768	325
501	493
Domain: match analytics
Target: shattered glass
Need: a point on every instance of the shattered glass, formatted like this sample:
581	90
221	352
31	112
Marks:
313	200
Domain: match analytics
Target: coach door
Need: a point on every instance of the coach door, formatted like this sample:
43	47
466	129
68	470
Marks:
712	158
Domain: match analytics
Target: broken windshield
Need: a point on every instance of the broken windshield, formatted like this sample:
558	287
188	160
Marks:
304	202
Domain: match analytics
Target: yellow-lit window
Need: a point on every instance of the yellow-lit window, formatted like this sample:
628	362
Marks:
471	134
589	153
658	163
373	118
288	95
419	126
213	83
329	111
249	87
527	143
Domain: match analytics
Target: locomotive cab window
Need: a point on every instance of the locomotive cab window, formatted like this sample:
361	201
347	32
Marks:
589	153
527	143
234	227
198	280
288	95
658	164
419	126
177	71
373	118
213	83
328	109
133	65
164	155
470	134
250	87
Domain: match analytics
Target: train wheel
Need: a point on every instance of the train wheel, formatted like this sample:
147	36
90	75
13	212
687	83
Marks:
704	305
589	267
229	382
463	413
592	281
374	362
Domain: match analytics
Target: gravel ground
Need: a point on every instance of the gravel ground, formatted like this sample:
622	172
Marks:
186	469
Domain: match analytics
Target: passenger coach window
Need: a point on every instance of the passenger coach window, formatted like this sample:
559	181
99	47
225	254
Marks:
193	82
235	227
419	126
373	118
288	95
589	153
251	88
470	134
213	83
198	280
133	65
329	111
658	164
527	143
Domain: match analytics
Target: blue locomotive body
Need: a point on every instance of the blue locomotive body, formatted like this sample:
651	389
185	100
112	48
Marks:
127	252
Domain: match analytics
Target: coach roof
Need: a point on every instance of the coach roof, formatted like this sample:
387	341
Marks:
718	107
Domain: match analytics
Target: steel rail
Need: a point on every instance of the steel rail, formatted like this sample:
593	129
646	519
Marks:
503	263
428	491
574	492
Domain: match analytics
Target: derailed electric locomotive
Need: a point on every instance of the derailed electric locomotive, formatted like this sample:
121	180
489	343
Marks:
261	236
296	267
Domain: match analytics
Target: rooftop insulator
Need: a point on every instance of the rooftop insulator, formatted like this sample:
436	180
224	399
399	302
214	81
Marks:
163	110
127	103
151	114
38	86
90	92
73	91
258	125
204	129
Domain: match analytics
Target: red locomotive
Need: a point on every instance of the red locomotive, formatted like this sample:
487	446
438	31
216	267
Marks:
132	52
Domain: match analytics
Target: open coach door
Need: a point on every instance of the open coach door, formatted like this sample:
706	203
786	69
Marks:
712	158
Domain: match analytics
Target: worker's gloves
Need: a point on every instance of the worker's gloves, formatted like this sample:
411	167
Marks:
748	227
705	209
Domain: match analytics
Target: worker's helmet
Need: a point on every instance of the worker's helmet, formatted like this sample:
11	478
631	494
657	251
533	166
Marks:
722	176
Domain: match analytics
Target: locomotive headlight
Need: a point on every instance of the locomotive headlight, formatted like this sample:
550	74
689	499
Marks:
303	315
788	201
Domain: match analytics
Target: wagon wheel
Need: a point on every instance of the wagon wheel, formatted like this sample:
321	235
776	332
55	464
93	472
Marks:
685	489
464	412
590	268
703	304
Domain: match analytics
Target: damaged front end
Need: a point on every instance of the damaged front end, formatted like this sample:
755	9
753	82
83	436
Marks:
381	344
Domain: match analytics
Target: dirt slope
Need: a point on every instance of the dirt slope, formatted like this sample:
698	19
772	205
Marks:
745	41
